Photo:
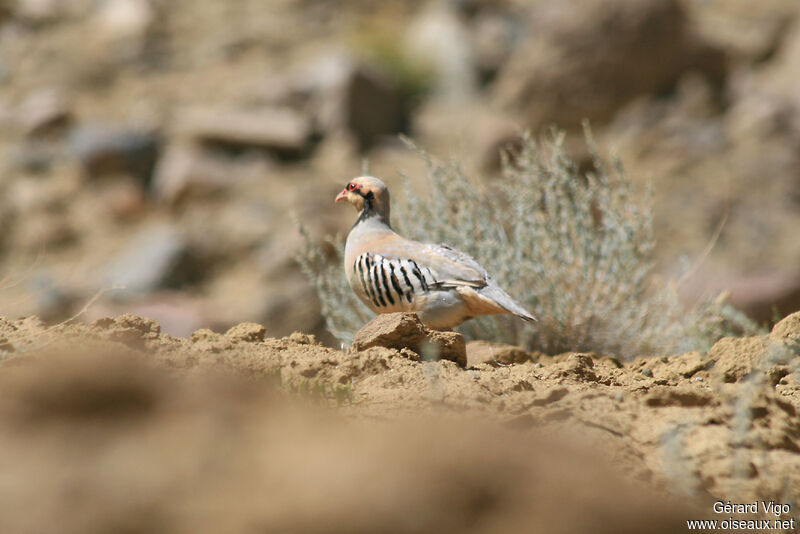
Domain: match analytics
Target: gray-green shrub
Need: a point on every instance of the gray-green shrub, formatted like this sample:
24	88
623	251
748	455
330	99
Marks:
574	247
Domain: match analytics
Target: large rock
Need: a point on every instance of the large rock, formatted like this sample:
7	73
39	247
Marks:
743	358
373	106
762	296
438	39
280	130
43	112
186	171
405	331
104	150
736	357
494	36
125	19
787	331
586	58
155	258
750	32
344	95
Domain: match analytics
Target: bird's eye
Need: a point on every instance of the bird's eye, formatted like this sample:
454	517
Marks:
351	187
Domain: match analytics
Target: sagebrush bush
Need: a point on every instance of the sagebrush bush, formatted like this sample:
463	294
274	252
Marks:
573	247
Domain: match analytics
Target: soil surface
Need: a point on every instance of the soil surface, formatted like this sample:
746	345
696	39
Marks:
114	426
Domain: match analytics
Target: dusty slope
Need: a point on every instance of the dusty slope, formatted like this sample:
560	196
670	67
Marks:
164	437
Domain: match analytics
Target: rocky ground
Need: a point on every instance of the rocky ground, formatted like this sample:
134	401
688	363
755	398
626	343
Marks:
169	146
157	155
115	426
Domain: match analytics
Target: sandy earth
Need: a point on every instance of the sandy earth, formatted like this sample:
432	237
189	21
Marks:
116	427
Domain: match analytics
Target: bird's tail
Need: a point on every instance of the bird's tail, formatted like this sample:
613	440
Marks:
495	293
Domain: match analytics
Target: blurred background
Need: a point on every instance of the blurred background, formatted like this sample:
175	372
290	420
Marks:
171	146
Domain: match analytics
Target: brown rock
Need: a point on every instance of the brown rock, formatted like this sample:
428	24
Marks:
185	170
144	325
280	130
451	346
736	357
154	258
210	341
374	107
405	331
251	332
345	94
487	352
303	339
586	58
493	41
787	331
44	112
575	366
131	330
106	150
763	295
439	42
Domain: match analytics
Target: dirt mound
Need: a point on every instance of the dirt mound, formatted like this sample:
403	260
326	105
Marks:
102	437
209	434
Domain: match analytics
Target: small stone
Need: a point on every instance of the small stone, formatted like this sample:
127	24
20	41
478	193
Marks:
405	330
303	339
451	346
578	366
103	323
479	352
203	334
647	372
250	332
210	341
145	325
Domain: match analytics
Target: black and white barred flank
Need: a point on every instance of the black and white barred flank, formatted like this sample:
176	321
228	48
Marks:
388	282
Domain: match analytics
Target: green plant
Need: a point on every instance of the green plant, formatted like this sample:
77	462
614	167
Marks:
574	247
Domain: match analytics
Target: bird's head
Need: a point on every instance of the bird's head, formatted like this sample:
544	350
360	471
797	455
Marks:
367	194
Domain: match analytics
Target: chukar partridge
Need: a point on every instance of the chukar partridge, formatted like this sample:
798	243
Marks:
389	273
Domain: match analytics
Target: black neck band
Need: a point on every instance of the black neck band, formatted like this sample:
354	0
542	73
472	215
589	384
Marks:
368	209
